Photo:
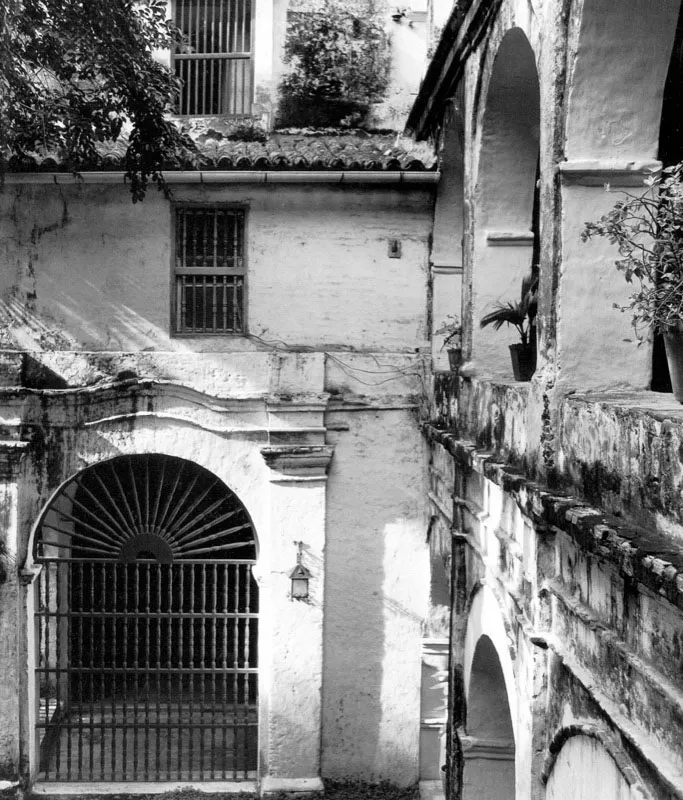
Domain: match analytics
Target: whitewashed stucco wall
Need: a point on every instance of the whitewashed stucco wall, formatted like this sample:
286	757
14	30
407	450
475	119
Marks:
376	598
89	270
87	292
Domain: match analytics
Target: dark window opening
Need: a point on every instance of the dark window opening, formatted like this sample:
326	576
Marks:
209	270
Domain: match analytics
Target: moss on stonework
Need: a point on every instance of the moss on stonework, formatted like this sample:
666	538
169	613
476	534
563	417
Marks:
334	790
362	790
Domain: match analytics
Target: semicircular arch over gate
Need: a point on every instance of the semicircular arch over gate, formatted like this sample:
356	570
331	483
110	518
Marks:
146	626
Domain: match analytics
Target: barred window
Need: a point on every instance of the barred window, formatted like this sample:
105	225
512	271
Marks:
214	59
209	269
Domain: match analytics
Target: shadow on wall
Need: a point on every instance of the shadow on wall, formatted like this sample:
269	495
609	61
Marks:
371	676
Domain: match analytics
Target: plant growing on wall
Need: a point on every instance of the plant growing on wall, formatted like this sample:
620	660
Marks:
339	59
647	229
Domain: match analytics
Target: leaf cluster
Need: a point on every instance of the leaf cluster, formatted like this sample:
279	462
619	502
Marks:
647	230
520	314
73	73
335	52
451	328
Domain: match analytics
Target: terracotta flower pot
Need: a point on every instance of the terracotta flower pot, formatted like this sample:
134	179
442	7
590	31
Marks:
673	344
523	360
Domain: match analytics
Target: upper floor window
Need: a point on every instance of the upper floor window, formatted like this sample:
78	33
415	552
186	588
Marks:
215	60
209	269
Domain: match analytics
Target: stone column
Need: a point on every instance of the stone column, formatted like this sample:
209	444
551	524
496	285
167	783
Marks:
11	453
293	635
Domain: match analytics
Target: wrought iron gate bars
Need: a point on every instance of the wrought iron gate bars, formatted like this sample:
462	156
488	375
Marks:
145	644
88	706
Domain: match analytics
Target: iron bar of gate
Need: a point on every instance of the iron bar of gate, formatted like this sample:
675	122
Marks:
46	684
136	667
158	675
224	693
202	665
147	655
124	747
63	625
235	680
115	650
102	681
169	667
214	644
247	687
191	681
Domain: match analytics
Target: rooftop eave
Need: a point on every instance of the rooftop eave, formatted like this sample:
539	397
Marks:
466	27
228	177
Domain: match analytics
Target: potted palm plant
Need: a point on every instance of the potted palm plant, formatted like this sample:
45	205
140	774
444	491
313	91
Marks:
647	229
451	329
522	316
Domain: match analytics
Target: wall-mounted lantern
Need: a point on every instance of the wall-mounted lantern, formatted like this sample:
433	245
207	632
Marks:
299	577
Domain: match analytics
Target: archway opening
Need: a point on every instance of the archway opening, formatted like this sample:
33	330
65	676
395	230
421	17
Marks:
506	234
146	627
489	747
584	764
448	238
619	58
670	153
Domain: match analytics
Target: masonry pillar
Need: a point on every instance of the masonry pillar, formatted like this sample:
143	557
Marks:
11	453
294	627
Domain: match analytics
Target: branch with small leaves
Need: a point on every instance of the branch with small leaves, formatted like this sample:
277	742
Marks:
74	74
452	330
647	230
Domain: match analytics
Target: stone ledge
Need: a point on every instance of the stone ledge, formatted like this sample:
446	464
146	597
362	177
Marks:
299	785
649	558
624	451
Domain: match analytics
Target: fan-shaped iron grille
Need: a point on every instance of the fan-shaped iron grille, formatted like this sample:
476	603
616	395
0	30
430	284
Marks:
147	622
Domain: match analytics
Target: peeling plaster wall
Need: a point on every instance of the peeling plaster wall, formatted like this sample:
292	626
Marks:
565	514
90	271
585	618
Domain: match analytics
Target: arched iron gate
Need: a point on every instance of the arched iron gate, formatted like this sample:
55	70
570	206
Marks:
146	627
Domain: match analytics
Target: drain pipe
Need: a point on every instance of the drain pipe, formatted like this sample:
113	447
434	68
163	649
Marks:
228	177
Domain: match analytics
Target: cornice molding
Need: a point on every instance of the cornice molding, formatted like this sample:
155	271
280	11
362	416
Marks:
601	171
297	463
12	453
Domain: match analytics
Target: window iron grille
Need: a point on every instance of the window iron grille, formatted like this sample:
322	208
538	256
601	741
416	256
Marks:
209	270
214	60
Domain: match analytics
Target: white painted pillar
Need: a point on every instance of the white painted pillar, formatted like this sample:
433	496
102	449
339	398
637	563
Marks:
292	676
11	678
596	344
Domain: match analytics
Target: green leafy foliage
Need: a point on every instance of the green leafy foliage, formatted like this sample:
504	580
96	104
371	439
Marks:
76	72
337	52
647	230
521	314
